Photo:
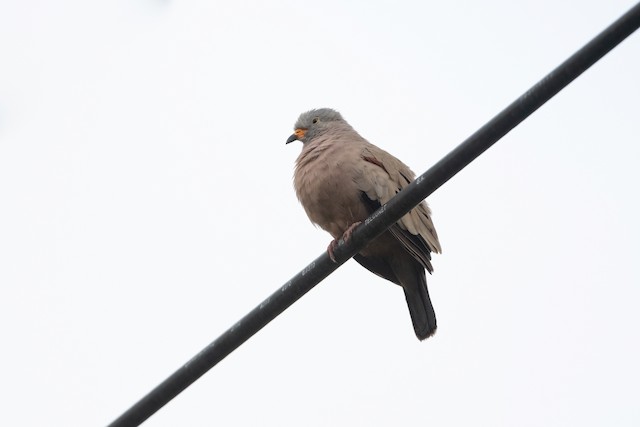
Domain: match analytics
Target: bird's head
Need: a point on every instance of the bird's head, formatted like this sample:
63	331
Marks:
314	123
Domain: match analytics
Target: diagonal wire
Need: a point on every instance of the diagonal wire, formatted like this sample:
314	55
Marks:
380	220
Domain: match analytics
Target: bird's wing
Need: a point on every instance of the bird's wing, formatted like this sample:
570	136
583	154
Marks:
382	177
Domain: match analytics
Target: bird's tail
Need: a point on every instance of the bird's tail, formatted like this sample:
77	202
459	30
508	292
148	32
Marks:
422	314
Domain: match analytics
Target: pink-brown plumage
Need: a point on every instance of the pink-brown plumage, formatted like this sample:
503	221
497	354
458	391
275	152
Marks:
340	178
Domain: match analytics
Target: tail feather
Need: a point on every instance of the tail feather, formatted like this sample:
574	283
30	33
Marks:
422	313
403	269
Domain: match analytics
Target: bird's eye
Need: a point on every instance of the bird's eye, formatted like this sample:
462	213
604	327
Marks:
315	120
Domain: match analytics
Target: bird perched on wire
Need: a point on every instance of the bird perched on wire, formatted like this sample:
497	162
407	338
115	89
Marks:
340	179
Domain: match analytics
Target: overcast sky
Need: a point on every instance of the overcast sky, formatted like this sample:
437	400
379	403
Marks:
147	204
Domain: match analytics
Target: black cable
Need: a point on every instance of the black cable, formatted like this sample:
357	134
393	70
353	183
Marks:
417	191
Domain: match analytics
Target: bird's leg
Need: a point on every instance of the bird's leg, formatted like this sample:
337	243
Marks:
345	237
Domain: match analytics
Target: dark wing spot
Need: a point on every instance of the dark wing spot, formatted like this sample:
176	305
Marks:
375	161
372	205
405	178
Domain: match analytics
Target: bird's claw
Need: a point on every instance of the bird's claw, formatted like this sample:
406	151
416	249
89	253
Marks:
332	247
346	236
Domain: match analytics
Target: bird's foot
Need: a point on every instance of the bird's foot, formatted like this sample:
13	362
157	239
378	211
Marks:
332	247
349	231
346	236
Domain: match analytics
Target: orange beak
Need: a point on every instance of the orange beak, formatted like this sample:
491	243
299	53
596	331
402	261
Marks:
297	135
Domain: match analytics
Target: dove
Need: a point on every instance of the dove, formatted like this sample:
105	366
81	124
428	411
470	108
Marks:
340	179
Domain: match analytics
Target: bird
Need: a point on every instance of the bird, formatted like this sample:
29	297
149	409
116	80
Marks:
340	179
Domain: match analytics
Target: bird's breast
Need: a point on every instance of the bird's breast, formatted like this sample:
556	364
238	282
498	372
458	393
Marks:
325	185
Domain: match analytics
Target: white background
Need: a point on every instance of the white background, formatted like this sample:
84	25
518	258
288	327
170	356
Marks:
146	205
